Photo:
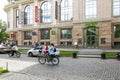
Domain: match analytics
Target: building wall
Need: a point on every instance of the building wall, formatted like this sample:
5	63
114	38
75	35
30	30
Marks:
104	19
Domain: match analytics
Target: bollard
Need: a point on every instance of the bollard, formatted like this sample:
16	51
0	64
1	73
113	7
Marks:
6	65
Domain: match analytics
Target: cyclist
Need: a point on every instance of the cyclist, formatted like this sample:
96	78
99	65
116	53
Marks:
14	49
51	51
46	48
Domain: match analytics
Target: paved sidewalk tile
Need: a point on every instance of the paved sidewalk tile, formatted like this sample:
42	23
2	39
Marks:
15	65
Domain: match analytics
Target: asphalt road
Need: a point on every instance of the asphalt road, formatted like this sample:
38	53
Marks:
68	69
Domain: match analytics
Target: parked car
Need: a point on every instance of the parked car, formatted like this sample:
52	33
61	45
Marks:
4	49
34	51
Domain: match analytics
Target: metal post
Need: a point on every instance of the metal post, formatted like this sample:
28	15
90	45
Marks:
6	65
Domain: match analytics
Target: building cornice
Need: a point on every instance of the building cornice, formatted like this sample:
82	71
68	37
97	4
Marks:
15	4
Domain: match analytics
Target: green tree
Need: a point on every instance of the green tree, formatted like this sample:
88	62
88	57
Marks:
3	35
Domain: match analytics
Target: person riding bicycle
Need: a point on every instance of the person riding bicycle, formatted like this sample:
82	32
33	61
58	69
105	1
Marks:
46	48
51	52
14	49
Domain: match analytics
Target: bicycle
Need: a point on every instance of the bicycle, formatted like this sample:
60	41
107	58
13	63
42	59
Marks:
16	53
44	57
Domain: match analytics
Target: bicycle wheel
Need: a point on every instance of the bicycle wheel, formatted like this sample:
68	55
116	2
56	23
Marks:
42	59
10	54
18	54
55	61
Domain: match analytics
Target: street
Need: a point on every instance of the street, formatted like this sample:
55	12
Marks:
68	69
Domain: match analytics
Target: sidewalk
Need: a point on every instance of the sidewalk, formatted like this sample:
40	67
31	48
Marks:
15	65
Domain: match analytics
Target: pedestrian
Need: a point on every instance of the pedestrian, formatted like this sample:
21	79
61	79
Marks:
36	44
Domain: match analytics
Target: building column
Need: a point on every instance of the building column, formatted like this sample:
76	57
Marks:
105	35
54	36
20	38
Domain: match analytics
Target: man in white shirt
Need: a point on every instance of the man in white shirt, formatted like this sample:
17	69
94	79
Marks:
14	49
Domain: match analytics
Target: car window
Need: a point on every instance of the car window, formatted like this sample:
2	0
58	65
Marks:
38	47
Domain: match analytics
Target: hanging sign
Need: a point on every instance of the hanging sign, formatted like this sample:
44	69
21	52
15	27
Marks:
36	13
53	32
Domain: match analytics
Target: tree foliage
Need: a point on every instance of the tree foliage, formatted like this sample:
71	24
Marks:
3	35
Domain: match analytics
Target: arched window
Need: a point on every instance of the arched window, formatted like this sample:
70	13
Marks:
28	15
45	12
66	10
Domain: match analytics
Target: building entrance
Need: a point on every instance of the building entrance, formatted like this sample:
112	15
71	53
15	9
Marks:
91	37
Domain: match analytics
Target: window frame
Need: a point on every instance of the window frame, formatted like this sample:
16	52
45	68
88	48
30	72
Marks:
91	8
28	15
45	10
43	35
118	7
61	35
27	35
66	10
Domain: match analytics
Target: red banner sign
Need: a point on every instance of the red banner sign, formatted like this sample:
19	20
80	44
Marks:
36	13
12	35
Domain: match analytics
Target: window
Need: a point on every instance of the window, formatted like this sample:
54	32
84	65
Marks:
17	18
28	15
66	10
117	31
66	34
45	34
103	40
27	35
116	7
45	12
90	9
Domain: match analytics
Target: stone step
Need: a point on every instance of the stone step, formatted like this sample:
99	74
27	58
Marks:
90	51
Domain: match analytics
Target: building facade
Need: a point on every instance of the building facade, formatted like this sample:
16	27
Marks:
87	23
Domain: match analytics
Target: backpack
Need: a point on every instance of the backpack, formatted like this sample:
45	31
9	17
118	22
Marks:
54	49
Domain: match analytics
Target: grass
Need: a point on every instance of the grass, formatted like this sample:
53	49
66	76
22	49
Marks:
3	70
21	49
67	53
110	54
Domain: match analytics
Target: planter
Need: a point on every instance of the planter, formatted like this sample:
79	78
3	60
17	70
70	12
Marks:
74	55
103	56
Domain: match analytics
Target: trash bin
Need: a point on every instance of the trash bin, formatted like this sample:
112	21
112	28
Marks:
103	56
74	55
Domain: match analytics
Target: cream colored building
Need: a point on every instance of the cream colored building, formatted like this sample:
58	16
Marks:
89	23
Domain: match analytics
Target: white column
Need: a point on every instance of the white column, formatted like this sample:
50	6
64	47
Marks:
53	12
11	19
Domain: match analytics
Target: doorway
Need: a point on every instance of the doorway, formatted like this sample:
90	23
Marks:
91	37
